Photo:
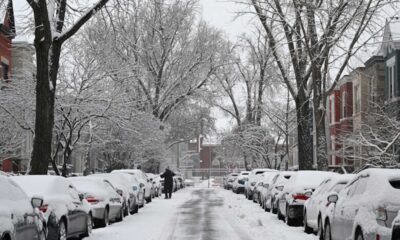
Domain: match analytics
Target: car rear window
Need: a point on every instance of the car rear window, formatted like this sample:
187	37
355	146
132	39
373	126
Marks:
260	172
395	183
287	176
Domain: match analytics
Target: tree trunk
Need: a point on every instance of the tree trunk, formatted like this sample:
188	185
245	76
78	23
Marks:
305	143
41	153
322	148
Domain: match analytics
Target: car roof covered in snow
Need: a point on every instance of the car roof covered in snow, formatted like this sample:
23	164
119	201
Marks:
43	185
307	180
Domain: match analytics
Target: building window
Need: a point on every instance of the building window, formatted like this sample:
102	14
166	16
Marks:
357	98
391	80
344	102
4	68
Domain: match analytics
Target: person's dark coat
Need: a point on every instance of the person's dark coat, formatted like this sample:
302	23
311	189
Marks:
168	176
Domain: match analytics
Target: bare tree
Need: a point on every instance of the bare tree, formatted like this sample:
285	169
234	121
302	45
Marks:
52	29
308	39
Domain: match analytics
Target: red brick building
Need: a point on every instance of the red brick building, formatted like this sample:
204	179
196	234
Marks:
340	104
7	34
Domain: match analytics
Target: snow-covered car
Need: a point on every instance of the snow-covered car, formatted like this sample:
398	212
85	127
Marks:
142	178
366	207
272	194
189	182
267	180
66	213
396	228
105	202
295	194
239	184
20	218
257	190
156	184
137	187
230	178
316	206
122	183
254	176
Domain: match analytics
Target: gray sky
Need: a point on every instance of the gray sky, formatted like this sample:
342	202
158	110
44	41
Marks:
221	14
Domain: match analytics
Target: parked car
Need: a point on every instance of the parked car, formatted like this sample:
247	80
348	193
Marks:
366	207
257	190
239	184
295	193
267	179
66	213
142	178
124	189
272	194
396	228
230	178
315	207
106	204
189	182
254	176
156	185
137	187
20	218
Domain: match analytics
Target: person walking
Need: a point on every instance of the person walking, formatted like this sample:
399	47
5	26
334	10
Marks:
168	176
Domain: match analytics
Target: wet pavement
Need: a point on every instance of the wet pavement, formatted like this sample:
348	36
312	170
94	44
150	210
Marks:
202	218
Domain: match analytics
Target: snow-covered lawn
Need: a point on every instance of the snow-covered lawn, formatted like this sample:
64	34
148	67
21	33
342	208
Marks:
201	213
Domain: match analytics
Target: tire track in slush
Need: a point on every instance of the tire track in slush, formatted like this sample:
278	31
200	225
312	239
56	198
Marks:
199	219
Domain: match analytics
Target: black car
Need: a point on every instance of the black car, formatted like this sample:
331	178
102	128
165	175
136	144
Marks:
19	215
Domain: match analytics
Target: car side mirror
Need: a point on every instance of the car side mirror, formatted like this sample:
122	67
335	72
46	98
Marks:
120	192
81	197
333	198
37	202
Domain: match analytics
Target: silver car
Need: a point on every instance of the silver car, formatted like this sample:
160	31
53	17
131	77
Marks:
366	207
106	204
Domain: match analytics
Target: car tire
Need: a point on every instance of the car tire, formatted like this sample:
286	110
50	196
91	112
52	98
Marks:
120	218
89	227
307	229
62	231
148	200
359	235
289	221
320	232
106	220
127	208
274	209
279	214
327	231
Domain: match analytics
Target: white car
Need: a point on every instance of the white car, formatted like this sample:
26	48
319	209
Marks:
66	213
124	188
143	180
366	207
295	194
239	184
254	176
156	181
26	222
316	206
272	194
267	180
106	204
230	178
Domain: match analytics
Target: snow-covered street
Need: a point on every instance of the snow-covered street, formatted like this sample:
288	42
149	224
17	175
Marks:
201	213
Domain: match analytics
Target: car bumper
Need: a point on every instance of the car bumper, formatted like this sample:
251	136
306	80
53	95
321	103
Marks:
295	211
240	189
98	213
